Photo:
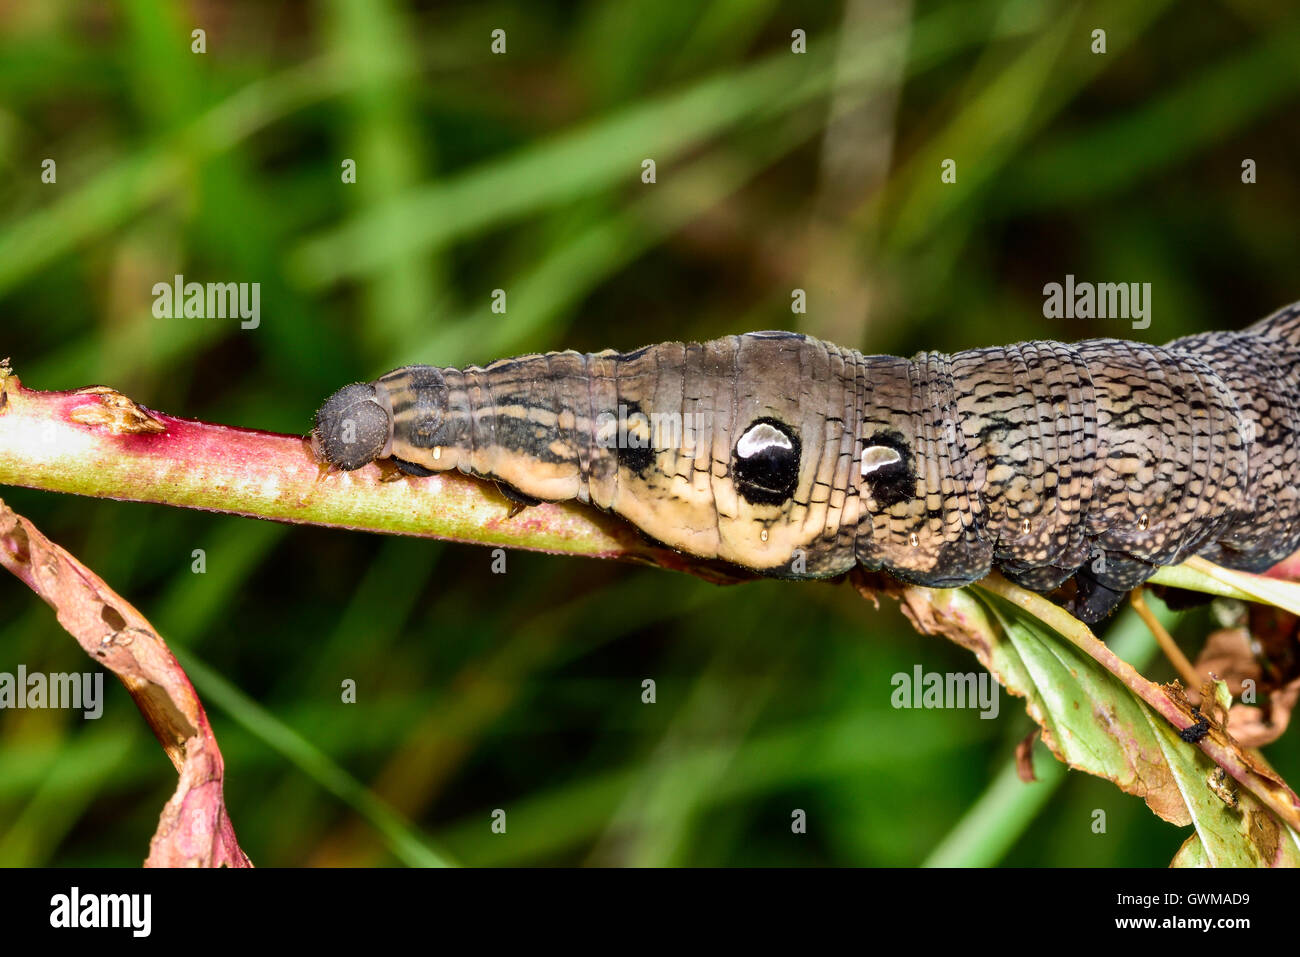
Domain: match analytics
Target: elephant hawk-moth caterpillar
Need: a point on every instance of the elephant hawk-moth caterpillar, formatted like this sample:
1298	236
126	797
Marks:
1097	461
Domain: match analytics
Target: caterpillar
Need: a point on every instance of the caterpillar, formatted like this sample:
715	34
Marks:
1095	462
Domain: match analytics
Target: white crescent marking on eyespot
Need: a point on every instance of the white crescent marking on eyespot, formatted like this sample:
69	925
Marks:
760	437
877	457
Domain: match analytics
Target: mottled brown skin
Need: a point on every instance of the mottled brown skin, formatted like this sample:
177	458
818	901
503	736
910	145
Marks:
1098	461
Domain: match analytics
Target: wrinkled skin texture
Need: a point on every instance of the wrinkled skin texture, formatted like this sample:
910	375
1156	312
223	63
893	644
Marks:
1097	462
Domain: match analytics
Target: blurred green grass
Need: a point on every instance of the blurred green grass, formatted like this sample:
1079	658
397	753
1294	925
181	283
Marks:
521	172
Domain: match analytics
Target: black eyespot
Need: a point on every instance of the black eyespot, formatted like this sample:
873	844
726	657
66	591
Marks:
352	428
765	462
636	459
635	439
887	469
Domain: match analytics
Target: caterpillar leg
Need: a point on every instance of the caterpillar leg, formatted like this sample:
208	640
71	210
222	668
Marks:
1093	601
1102	584
410	468
518	500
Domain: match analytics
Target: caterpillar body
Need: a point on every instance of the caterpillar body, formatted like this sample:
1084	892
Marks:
1098	461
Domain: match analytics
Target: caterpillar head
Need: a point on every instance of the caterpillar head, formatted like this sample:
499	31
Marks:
353	427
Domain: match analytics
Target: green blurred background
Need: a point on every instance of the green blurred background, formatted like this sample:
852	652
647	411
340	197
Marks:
522	172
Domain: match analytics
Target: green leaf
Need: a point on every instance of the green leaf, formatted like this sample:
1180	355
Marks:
1196	574
1089	719
1094	722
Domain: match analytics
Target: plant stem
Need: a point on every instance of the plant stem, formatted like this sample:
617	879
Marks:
98	442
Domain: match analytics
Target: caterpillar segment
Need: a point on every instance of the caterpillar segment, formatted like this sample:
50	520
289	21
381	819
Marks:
1095	462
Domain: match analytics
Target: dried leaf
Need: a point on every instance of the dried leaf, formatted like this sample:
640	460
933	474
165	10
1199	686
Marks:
194	829
1025	757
